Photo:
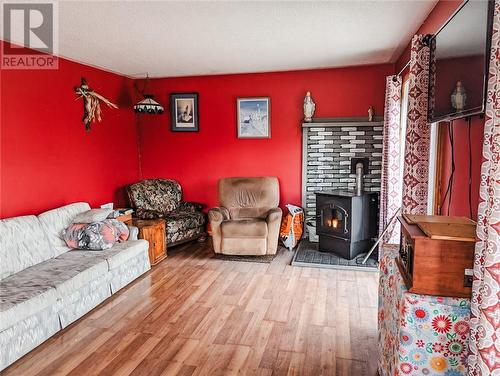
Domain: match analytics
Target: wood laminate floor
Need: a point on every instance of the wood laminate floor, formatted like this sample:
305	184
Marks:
196	315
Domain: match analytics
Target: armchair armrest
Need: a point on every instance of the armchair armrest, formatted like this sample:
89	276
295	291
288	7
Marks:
273	215
216	216
190	206
273	229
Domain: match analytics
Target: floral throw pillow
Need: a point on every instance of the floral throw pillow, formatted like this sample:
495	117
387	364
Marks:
95	236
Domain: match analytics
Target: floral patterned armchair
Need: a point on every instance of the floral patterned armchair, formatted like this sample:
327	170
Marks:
162	198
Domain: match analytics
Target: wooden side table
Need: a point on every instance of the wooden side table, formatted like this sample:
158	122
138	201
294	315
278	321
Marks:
153	230
125	218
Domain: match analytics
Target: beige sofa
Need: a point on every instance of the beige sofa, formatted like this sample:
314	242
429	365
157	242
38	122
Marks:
248	219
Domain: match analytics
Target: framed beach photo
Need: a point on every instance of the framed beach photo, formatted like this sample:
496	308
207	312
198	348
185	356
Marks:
184	112
254	117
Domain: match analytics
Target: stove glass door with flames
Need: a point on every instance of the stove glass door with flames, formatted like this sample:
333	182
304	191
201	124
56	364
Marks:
334	219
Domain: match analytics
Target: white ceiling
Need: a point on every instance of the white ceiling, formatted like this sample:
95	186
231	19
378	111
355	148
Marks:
167	38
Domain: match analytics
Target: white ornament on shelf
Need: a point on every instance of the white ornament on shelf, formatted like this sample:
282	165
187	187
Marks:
371	113
309	107
459	97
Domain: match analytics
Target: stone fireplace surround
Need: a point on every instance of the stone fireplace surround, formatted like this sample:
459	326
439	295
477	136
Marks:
327	148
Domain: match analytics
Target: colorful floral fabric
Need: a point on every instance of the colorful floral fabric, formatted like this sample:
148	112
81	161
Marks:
419	334
95	236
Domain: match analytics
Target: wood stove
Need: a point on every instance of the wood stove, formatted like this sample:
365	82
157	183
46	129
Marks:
346	222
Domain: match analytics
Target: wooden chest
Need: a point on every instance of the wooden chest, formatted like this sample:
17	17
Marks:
153	230
437	264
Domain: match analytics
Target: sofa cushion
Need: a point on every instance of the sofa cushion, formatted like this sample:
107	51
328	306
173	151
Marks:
23	243
244	228
56	220
73	271
123	252
22	295
120	253
182	221
35	288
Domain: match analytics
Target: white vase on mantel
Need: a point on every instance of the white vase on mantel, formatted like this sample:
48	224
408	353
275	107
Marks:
309	107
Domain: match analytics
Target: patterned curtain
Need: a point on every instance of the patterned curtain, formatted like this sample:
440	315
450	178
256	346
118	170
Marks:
390	193
484	358
416	165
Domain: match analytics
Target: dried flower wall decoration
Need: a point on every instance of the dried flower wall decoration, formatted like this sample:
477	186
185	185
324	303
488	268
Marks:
91	104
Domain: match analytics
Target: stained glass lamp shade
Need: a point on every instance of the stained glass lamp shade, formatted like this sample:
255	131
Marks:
148	106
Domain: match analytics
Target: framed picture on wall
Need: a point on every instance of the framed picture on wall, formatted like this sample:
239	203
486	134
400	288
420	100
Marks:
184	112
254	117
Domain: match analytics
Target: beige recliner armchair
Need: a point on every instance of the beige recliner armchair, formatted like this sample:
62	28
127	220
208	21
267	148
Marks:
248	219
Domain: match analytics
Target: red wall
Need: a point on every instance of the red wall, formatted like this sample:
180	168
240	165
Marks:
460	192
198	160
47	158
438	16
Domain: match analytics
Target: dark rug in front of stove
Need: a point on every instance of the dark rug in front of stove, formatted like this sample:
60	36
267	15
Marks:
307	254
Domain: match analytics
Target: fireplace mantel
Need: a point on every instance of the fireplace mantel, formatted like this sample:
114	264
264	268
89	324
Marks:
345	121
